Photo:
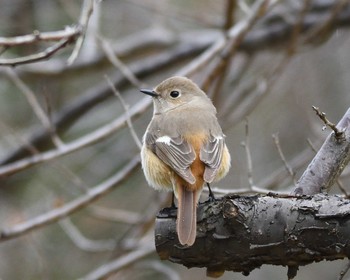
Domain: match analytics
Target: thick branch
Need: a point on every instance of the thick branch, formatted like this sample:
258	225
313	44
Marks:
329	162
242	233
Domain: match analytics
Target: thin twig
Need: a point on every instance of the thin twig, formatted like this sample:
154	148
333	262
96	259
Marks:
69	32
339	134
47	53
246	145
278	177
255	41
126	109
32	100
230	7
117	63
240	92
84	243
328	163
87	9
234	34
312	146
107	269
262	88
67	172
82	142
280	152
16	138
93	96
70	207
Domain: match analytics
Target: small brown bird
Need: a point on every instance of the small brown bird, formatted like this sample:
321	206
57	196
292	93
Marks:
183	148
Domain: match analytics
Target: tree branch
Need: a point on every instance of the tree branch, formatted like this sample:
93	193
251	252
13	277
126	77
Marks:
45	54
82	142
94	96
329	162
241	233
273	31
68	33
71	207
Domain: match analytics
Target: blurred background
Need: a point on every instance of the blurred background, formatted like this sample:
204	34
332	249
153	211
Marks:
291	56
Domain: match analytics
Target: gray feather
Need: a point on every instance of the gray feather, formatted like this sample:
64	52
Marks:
211	154
176	153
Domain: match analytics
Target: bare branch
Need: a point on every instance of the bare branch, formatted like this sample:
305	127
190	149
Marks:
69	33
241	233
94	96
235	34
87	9
126	109
32	100
70	207
246	145
47	53
280	152
328	163
339	134
277	178
84	141
117	63
274	32
84	243
339	183
112	267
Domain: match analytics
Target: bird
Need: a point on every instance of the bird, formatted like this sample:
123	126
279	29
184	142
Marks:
183	148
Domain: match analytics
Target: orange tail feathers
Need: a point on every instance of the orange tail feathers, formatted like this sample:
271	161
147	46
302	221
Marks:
186	224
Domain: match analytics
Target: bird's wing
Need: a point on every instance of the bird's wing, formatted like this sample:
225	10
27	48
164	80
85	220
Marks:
211	154
175	152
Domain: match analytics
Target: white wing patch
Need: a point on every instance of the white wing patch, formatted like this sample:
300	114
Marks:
164	139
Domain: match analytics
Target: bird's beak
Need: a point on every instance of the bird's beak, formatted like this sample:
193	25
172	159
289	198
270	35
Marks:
150	92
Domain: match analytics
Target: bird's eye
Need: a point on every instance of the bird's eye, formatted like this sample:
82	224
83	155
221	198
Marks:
174	94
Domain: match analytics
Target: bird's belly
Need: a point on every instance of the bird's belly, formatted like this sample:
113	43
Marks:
157	173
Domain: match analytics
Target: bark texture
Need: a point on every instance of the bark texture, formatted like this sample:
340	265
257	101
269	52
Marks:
329	162
241	233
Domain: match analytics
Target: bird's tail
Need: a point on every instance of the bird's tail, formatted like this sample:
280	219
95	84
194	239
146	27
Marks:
186	224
